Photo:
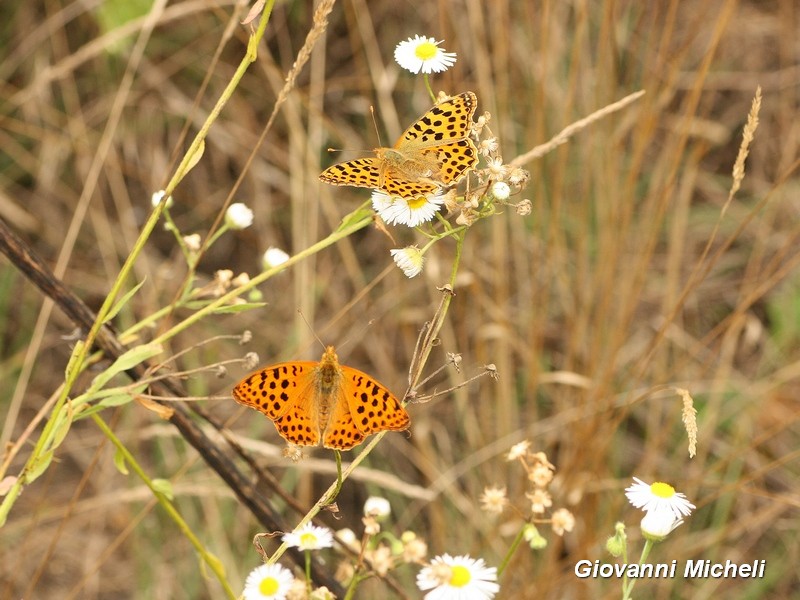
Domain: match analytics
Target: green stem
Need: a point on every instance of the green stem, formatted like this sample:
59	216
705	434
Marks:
338	488
627	588
308	571
513	548
211	561
428	86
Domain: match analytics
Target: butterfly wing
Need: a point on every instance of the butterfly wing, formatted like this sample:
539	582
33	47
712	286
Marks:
285	393
453	159
362	172
363	406
341	432
448	120
397	185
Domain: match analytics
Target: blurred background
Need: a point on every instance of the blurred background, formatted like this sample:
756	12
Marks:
632	277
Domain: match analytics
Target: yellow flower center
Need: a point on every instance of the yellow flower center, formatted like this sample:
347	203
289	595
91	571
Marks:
662	490
268	586
459	576
416	203
426	50
308	539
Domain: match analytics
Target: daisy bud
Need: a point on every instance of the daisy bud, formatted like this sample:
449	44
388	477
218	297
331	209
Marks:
238	216
273	257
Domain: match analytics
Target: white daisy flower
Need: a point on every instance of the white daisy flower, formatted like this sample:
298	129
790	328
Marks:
267	582
422	54
406	211
238	216
658	497
377	507
458	578
273	257
309	537
409	259
658	524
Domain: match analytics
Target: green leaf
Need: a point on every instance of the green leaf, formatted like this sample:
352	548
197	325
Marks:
86	410
107	398
122	302
237	308
130	359
71	364
119	461
227	309
163	486
355	217
195	157
128	391
65	418
38	466
115	400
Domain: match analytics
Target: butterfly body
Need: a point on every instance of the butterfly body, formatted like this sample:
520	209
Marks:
434	151
312	401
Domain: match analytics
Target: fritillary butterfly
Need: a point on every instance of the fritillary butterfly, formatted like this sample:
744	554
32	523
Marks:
435	151
311	400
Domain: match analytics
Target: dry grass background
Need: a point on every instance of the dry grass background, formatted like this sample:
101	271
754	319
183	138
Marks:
592	308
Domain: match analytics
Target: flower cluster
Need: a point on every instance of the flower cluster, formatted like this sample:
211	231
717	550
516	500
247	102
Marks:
540	474
497	182
379	551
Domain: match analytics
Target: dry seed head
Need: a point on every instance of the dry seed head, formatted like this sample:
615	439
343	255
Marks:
251	361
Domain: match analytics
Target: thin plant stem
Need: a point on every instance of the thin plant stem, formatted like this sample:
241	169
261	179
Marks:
338	488
627	588
511	549
428	86
210	560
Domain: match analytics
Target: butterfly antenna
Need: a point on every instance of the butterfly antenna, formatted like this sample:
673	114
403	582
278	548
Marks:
310	328
375	125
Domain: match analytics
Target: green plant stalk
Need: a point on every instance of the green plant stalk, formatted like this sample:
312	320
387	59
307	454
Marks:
338	488
428	87
168	507
627	588
436	325
308	572
354	582
511	549
78	361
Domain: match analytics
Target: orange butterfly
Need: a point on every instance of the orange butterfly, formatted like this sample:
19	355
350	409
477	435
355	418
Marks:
434	151
307	400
